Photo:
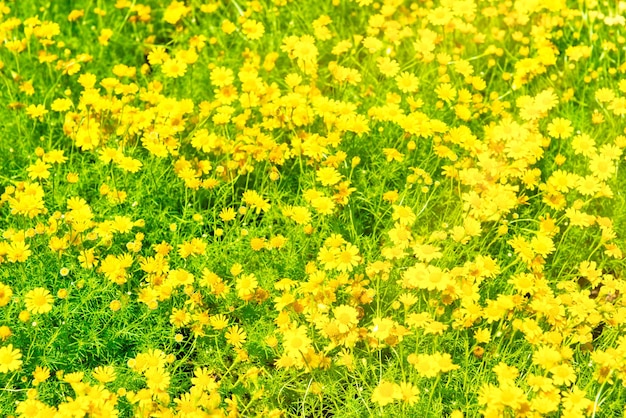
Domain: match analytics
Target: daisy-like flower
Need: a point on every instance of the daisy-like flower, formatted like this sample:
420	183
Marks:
410	393
174	68
5	294
222	76
218	321
227	214
348	257
403	214
446	92
387	66
246	286
9	359
407	82
560	128
323	205
440	16
602	167
563	374
157	379
346	316
252	29
61	104
204	379
386	393
38	300
305	49
236	336
36	111
328	176
40	374
296	341
104	374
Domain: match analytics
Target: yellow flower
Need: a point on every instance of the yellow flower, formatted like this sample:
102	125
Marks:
410	393
115	305
72	178
328	176
505	373
179	317
373	44
61	105
204	379
347	257
542	245
382	327
537	383
40	374
392	154
227	214
75	15
386	393
299	214
430	365
560	128
252	29
236	336
5	332
38	300
158	56
403	214
563	374
446	92
296	341
440	16
482	335
306	50
257	244
256	201
129	164
407	82
246	286
36	111
5	294
511	396
228	27
38	170
104	374
157	379
222	76
323	204
575	400
9	359
546	357
391	196
174	68
218	321
602	166
105	35
328	257
387	66
175	11
55	156
346	317
277	242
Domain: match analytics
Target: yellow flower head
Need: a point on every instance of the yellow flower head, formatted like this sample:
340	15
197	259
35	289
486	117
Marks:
38	301
10	359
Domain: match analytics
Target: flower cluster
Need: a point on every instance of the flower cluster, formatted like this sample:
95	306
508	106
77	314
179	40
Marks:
309	208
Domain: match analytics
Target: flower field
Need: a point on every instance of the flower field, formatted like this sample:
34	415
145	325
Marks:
342	208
